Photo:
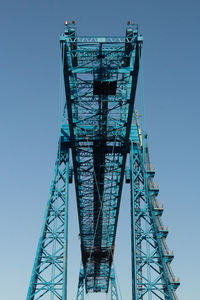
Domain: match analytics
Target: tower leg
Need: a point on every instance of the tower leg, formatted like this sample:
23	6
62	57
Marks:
49	275
80	291
133	238
152	277
113	286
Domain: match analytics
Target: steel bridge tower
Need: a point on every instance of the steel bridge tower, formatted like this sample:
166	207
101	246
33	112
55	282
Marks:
101	130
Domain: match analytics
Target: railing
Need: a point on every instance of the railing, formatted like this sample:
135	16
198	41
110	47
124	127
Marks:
100	39
150	168
153	186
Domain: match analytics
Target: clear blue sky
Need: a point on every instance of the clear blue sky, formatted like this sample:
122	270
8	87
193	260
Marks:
29	77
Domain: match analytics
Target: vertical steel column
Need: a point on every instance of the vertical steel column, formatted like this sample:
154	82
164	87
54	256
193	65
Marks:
133	239
80	290
49	275
113	286
64	295
152	277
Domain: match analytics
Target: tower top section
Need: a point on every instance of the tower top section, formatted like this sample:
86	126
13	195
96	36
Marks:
70	31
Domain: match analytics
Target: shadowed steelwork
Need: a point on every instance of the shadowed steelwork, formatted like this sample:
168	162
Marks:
100	127
100	83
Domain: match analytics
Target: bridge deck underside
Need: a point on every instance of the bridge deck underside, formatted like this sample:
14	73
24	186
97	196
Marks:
99	83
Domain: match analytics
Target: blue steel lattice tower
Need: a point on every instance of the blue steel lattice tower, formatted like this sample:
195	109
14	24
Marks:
101	130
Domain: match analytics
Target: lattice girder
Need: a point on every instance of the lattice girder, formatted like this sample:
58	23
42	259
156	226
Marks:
151	271
49	276
100	84
100	127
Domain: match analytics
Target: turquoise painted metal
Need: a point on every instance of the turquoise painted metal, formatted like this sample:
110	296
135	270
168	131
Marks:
100	75
152	276
113	286
80	290
49	275
101	130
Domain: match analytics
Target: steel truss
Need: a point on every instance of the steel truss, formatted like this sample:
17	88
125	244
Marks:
80	290
100	83
99	126
81	283
152	276
49	275
113	286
